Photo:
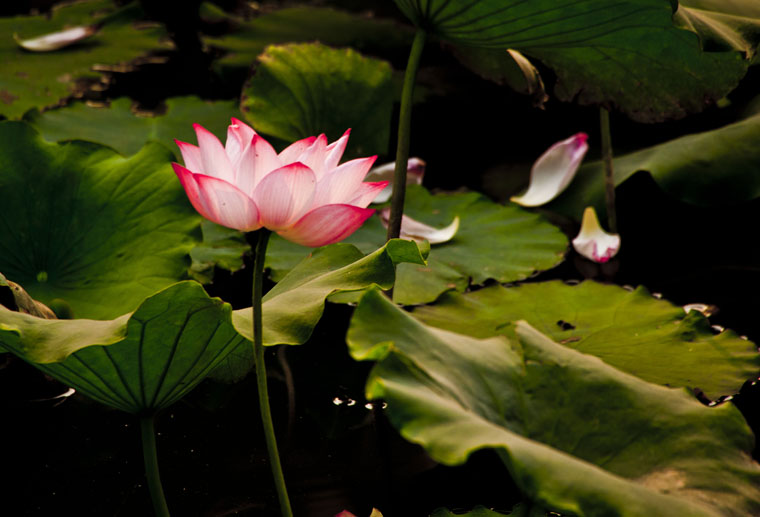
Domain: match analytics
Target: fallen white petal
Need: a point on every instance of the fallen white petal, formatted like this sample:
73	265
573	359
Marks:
553	171
417	231
415	171
57	40
593	242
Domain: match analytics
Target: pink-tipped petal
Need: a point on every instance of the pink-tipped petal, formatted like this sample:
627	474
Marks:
291	153
284	195
257	160
368	193
345	513
314	156
191	155
554	170
186	178
417	231
593	242
335	151
341	184
415	171
326	225
239	136
224	204
214	158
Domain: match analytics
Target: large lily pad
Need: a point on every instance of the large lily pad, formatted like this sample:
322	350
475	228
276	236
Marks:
578	436
119	127
300	90
36	80
505	243
140	362
627	53
717	167
83	224
630	330
294	306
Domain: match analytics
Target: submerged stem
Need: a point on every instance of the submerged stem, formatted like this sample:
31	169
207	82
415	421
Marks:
609	179
261	373
151	467
404	134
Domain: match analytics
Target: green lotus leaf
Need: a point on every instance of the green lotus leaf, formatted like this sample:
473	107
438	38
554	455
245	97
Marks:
300	90
578	436
140	362
35	80
723	24
717	167
83	224
505	243
292	308
301	24
117	126
221	247
630	330
627	53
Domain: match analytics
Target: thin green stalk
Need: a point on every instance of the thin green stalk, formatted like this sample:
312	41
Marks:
404	134
261	373
609	179
151	467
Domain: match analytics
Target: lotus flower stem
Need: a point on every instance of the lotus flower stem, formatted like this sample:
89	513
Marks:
262	238
151	467
609	179
404	130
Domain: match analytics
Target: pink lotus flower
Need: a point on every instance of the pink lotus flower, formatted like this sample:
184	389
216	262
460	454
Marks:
301	193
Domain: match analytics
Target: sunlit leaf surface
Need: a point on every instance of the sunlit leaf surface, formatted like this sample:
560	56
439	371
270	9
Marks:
302	90
578	436
83	224
630	330
140	362
294	306
505	243
117	126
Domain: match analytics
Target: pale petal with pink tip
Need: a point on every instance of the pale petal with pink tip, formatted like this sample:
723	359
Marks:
367	192
213	156
191	155
257	160
284	195
553	171
417	231
239	136
593	242
291	153
335	150
224	204
187	179
341	184
326	225
314	156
